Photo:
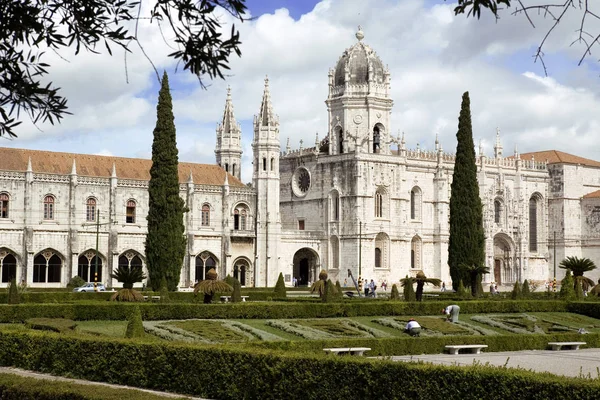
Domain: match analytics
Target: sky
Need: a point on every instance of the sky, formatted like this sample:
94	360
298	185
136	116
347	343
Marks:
433	57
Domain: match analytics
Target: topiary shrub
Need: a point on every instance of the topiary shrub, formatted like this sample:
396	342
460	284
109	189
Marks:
320	286
338	290
516	292
330	292
75	282
13	292
567	291
395	295
409	290
236	295
135	326
280	288
525	292
211	285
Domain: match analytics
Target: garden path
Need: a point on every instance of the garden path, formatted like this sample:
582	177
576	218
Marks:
575	363
37	375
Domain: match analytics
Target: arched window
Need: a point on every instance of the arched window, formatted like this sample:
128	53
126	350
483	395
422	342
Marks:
335	252
415	253
8	264
130	212
264	163
204	262
240	270
415	203
240	218
533	224
378	205
382	245
4	205
497	211
205	215
86	266
340	139
376	139
130	260
272	164
90	210
49	207
233	169
46	267
335	206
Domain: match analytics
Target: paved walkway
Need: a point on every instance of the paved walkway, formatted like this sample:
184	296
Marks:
582	362
37	375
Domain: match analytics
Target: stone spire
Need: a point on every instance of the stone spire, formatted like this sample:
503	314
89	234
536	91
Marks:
113	173
437	141
191	177
266	116
288	148
74	168
29	168
498	145
229	124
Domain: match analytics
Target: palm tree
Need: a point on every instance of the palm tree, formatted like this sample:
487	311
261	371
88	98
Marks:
475	272
128	276
421	280
211	285
579	266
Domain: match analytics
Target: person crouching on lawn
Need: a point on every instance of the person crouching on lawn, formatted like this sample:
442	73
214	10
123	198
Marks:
413	328
451	312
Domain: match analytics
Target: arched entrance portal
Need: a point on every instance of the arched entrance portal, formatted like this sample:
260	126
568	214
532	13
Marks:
306	266
503	261
242	271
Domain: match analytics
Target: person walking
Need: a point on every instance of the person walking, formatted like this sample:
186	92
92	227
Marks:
413	328
366	287
373	288
451	312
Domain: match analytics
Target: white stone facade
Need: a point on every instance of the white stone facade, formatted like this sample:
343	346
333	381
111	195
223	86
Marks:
357	200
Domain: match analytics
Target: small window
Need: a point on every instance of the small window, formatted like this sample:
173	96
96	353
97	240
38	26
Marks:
497	211
240	218
272	164
378	205
3	205
130	212
205	215
90	211
236	220
264	164
300	224
233	169
227	167
243	219
49	207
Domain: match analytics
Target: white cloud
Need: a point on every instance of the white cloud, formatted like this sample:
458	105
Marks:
433	57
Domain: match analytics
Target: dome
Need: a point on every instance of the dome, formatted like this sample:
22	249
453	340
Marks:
357	60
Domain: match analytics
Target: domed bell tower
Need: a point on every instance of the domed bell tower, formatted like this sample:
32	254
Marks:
359	104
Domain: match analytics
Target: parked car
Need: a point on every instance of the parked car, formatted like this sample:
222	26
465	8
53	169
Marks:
89	287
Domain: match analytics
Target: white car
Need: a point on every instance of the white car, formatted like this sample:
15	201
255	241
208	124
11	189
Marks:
89	287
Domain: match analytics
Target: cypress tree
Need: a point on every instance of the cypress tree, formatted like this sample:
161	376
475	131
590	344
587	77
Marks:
236	295
516	292
466	244
280	288
338	291
165	241
13	292
394	295
135	326
525	291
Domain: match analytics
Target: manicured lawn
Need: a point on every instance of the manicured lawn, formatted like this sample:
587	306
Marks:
102	328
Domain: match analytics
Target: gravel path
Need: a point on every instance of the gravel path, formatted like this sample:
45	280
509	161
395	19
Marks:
37	375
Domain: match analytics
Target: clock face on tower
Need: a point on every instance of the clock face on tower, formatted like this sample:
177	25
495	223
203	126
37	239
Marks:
301	182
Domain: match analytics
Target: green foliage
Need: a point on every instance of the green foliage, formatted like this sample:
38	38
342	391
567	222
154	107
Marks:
578	290
13	292
339	294
421	280
211	285
164	290
409	291
462	291
280	288
51	324
467	240
567	290
394	295
259	372
115	311
320	286
525	292
135	326
75	282
579	266
128	295
128	276
236	295
330	292
475	273
165	241
516	292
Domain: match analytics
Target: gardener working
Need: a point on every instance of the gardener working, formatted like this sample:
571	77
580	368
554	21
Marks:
413	328
451	312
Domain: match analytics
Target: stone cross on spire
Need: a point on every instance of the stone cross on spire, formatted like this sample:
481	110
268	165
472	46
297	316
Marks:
359	34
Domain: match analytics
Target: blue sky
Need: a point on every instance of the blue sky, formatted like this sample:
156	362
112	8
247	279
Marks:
433	58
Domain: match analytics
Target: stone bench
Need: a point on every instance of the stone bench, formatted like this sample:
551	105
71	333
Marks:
353	351
470	348
153	298
227	299
567	345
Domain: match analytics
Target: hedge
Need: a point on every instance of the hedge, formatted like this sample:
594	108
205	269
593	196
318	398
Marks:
398	346
15	387
258	310
221	373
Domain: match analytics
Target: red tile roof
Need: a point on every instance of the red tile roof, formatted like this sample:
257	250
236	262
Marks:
555	157
593	195
101	166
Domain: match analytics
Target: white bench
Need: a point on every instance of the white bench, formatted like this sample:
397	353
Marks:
567	345
153	298
471	348
227	299
353	351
